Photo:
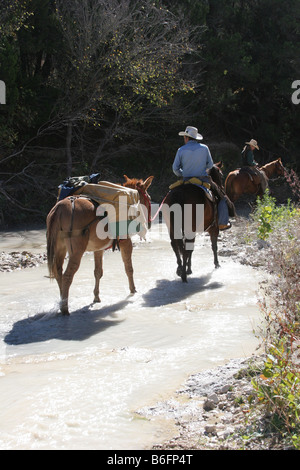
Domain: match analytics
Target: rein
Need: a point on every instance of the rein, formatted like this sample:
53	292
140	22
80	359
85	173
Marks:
146	201
158	210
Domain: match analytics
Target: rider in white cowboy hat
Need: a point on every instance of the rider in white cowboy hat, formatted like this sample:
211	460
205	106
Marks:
191	132
193	159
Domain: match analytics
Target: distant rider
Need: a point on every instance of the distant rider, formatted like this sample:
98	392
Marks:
250	165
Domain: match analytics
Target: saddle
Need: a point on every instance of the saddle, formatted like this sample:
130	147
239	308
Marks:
257	176
222	204
197	182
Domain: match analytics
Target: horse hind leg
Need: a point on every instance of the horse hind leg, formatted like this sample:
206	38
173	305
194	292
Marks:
178	249
183	252
126	253
58	266
98	273
187	257
214	232
67	278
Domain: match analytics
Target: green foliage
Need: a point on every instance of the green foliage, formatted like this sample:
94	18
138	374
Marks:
278	391
13	14
250	53
278	386
268	215
111	83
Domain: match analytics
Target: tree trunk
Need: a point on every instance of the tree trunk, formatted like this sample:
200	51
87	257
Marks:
68	149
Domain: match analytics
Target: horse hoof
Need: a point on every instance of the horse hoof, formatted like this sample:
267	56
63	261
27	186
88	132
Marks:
97	300
189	271
217	266
179	271
64	308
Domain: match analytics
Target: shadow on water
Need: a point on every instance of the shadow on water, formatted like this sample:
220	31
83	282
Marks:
80	325
172	291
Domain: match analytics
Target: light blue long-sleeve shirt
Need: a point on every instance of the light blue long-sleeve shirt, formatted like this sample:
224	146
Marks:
192	159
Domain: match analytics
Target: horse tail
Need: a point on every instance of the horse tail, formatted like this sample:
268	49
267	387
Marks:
115	244
53	228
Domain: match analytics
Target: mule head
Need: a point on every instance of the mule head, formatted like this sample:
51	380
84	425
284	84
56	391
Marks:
142	187
135	183
279	167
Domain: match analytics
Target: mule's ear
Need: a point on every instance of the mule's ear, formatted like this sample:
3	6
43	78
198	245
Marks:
219	164
126	177
148	182
279	159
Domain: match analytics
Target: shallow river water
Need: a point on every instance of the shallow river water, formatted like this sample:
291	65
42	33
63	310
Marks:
76	382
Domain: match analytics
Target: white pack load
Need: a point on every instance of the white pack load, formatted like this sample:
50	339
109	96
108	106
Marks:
124	215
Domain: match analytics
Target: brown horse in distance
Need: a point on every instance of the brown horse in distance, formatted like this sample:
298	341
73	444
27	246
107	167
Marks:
80	214
183	224
240	182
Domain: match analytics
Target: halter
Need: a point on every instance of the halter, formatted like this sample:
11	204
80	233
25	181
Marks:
146	201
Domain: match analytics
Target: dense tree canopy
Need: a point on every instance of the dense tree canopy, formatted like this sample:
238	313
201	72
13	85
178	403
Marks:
95	85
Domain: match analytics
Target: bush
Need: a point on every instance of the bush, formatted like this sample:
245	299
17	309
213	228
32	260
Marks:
278	386
278	391
294	182
268	215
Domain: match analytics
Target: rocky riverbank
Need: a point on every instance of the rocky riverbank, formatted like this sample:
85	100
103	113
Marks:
10	261
211	411
215	409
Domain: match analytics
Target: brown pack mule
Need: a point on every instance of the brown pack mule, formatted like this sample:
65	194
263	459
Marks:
71	228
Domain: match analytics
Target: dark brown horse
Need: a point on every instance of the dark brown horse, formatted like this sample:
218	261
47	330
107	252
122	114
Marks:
79	213
240	182
183	217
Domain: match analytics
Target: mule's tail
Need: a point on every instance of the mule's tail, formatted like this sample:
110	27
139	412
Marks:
53	228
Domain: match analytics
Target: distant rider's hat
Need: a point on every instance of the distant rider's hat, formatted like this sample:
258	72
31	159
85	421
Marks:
253	143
